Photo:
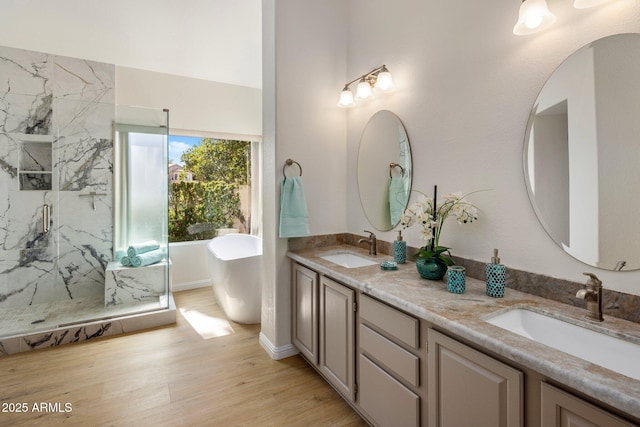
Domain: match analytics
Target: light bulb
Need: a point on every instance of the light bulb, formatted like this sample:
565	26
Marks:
363	91
346	98
533	22
384	81
533	16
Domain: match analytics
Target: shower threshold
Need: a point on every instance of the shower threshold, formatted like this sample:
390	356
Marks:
52	324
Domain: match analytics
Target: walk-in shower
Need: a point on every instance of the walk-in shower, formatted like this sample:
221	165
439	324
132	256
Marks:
80	179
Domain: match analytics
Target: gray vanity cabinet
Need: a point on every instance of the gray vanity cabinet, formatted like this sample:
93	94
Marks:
323	326
337	361
305	311
561	409
469	388
396	370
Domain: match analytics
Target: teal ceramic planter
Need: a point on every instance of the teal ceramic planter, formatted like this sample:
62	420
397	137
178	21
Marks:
430	269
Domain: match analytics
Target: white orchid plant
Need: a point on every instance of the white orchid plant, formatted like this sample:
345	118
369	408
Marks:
431	220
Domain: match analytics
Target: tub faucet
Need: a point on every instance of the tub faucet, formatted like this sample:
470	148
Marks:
620	265
371	241
592	293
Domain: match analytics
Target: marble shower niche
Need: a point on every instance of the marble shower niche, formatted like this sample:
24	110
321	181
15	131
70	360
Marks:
35	164
56	145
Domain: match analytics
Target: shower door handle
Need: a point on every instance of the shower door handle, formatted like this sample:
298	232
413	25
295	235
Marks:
46	214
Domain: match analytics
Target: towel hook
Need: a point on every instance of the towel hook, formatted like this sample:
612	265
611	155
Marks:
290	162
393	165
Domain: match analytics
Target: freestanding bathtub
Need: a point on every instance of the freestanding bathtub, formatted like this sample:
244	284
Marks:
235	266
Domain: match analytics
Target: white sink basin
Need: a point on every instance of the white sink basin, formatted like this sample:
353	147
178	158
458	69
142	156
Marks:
596	347
349	260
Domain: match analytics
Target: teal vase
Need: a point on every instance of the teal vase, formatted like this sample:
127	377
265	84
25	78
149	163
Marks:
430	269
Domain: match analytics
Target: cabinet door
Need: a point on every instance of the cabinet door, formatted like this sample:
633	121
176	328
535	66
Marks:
337	357
385	399
305	312
469	388
561	409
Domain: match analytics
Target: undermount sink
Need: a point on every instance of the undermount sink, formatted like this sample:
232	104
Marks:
596	347
349	260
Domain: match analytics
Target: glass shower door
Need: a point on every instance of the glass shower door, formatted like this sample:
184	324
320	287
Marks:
28	253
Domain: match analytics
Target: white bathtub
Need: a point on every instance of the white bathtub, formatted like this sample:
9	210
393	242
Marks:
235	265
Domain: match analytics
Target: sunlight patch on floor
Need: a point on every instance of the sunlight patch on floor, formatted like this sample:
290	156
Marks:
205	325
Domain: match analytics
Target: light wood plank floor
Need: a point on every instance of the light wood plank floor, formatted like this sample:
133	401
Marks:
170	376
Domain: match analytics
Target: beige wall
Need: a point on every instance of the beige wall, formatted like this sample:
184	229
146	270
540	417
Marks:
465	87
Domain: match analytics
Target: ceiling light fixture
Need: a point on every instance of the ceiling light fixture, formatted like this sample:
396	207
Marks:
379	79
534	15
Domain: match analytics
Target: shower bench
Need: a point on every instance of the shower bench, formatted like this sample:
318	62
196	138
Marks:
131	285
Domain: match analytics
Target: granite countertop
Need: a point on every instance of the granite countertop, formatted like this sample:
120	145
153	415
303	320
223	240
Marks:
463	314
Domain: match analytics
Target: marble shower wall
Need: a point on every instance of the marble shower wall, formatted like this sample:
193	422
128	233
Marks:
56	146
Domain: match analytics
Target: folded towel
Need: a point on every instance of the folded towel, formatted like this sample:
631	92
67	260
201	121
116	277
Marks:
120	254
140	248
125	261
398	197
294	218
148	258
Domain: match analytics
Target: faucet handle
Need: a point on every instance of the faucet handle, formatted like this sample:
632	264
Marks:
593	280
371	235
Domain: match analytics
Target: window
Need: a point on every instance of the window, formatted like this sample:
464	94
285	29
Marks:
210	187
141	185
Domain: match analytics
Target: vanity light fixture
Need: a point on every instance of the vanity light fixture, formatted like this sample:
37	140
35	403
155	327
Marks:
379	79
534	15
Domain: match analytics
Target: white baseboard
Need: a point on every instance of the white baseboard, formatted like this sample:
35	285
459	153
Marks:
277	353
177	287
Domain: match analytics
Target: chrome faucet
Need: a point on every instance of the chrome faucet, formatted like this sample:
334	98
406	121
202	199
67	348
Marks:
372	241
592	293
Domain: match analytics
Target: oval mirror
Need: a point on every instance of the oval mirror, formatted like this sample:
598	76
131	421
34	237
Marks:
582	154
384	170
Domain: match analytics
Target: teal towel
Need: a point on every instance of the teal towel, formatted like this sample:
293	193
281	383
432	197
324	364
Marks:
125	261
140	248
294	218
398	197
148	258
120	254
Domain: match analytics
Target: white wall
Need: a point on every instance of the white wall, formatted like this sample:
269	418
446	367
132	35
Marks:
189	265
215	40
304	64
465	87
196	106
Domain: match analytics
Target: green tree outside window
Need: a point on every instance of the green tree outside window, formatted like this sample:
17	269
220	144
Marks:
212	200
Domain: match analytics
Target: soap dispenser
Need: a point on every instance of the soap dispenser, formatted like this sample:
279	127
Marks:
495	276
400	249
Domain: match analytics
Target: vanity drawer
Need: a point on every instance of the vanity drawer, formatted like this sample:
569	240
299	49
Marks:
387	401
393	357
396	324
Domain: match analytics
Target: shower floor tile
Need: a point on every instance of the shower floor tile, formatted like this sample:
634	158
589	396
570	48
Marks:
47	316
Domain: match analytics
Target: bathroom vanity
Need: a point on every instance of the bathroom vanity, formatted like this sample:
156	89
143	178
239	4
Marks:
403	351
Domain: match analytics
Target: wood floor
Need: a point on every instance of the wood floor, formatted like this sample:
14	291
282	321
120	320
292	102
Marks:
170	376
